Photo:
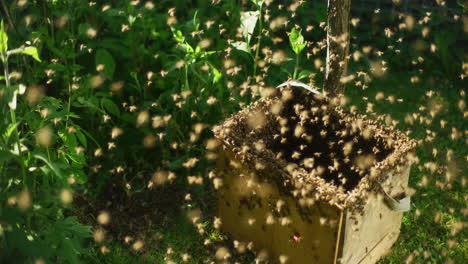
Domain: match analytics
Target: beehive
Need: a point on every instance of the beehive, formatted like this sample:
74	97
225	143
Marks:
304	181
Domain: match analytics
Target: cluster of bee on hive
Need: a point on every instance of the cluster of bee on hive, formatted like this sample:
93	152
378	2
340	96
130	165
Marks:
325	150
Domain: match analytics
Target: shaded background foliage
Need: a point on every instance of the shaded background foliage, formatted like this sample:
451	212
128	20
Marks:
129	88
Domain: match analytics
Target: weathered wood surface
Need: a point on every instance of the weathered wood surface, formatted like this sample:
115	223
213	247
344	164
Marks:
369	236
244	203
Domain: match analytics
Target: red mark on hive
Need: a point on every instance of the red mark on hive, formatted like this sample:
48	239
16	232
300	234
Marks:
297	237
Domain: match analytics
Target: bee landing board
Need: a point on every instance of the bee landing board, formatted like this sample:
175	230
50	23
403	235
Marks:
304	181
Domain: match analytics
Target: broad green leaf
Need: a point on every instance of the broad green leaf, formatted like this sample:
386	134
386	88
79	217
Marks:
76	228
131	19
216	75
67	251
9	131
104	58
283	69
68	139
303	74
187	48
110	106
51	165
179	37
91	136
82	138
196	21
32	51
248	21
297	41
198	50
78	160
80	177
242	46
3	38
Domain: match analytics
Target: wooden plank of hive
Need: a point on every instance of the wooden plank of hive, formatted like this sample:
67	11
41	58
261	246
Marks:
369	236
314	240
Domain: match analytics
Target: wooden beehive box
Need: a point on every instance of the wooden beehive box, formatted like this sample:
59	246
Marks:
304	181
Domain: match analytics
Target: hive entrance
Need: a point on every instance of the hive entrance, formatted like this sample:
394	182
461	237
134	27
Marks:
308	131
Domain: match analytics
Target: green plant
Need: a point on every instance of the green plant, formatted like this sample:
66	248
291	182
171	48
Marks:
297	43
129	89
249	20
193	59
33	200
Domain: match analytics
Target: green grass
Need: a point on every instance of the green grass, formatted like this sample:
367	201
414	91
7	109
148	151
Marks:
419	232
182	238
155	69
421	237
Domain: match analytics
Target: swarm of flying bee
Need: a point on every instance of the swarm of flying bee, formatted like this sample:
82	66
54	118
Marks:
326	147
317	140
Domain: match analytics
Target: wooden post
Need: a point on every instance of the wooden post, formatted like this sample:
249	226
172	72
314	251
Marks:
337	45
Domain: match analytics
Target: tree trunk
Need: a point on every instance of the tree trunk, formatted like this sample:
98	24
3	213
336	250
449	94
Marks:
337	45
6	14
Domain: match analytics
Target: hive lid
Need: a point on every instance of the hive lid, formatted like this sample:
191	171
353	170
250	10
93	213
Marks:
252	135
